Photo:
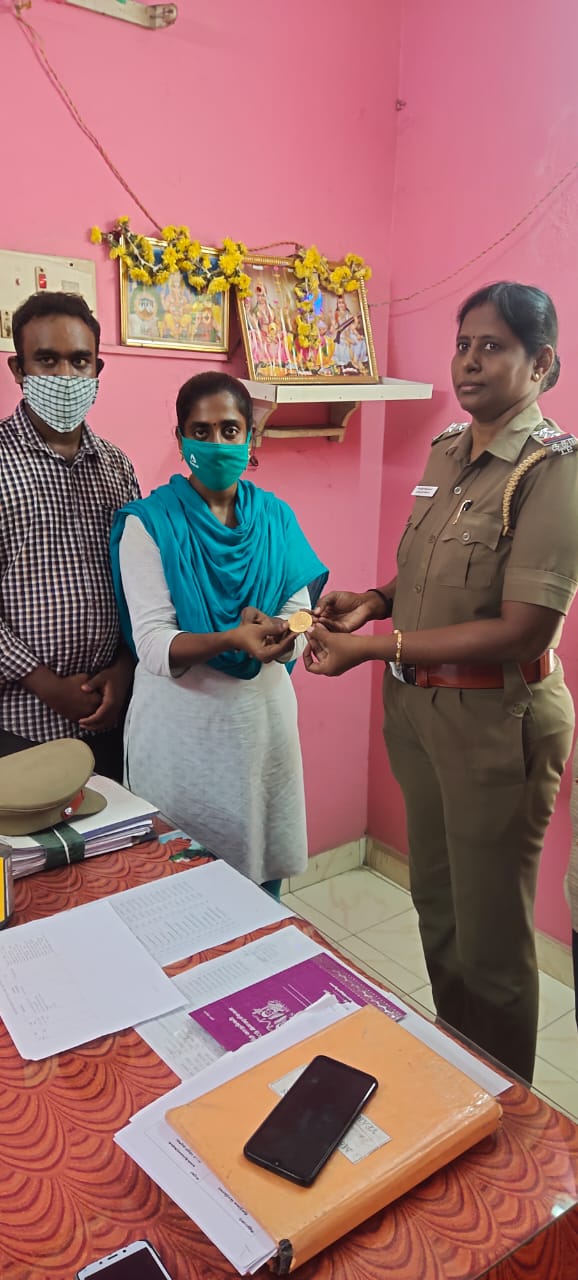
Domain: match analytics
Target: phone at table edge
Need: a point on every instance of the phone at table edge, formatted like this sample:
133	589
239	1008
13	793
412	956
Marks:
114	1267
311	1089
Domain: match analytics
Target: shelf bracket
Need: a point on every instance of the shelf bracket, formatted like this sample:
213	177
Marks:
152	16
339	415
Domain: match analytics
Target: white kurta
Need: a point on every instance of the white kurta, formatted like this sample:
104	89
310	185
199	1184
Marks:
218	755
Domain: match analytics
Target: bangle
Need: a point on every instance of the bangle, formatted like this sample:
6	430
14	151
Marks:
398	643
387	600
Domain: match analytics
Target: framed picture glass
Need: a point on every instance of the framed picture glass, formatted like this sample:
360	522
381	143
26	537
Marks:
342	350
172	314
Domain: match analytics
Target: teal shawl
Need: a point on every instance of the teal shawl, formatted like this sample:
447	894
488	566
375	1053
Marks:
213	572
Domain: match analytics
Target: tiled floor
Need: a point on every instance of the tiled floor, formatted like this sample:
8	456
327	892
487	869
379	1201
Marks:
373	921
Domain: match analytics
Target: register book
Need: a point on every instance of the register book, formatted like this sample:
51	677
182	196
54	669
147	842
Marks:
424	1113
126	820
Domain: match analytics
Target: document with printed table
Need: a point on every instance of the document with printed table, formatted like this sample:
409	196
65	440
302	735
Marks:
424	1114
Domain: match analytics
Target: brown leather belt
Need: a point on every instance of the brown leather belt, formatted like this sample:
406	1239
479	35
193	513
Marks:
465	675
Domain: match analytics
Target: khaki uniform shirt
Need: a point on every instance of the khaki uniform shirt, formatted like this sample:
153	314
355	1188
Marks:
455	564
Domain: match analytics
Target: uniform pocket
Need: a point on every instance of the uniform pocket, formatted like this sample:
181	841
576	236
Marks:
466	552
479	741
421	508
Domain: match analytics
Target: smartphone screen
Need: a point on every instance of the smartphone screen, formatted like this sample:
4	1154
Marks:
308	1124
136	1261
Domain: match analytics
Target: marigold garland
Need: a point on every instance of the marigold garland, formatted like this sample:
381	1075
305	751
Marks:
223	270
204	273
313	272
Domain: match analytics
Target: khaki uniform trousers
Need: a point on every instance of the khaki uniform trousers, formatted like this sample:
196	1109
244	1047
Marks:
480	775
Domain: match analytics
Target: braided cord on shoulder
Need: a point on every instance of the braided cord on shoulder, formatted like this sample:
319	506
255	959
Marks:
518	474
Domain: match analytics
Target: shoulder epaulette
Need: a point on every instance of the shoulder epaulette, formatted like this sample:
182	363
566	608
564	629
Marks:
453	430
550	440
554	440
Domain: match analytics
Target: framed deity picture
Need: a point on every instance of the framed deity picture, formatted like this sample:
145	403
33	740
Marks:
172	314
341	349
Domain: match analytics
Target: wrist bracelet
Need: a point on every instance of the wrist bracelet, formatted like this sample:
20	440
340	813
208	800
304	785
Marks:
387	600
398	644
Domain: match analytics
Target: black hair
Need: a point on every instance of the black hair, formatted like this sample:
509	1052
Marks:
213	383
527	311
51	304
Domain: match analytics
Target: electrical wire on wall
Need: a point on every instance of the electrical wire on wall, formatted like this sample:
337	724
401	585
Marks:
35	41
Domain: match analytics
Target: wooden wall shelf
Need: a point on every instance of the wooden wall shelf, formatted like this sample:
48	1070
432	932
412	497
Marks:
342	398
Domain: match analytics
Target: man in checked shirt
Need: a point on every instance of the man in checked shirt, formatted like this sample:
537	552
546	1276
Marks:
63	669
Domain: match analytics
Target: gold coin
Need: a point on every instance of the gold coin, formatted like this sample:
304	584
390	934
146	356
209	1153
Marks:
300	621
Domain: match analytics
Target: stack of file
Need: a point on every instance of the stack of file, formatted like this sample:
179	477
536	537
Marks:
424	1114
126	820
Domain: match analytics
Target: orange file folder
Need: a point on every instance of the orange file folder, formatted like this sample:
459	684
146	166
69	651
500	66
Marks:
430	1111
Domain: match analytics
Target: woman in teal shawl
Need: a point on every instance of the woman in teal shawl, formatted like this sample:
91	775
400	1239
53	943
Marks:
207	571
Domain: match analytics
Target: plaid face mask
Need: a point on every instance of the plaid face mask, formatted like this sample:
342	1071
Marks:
61	402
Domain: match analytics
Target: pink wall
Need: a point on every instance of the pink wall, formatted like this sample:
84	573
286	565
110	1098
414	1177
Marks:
491	123
267	122
258	121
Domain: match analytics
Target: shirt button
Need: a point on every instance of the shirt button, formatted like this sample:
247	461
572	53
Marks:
432	537
465	536
417	588
517	709
458	488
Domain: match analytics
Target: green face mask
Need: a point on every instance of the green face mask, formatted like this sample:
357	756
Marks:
217	466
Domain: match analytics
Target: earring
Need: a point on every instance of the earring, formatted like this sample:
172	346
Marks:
536	376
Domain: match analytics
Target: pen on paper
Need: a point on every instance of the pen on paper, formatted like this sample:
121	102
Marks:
464	507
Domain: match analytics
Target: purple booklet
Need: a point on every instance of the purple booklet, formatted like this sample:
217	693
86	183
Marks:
265	1005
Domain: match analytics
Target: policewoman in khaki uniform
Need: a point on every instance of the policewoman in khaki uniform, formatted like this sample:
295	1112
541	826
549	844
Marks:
478	720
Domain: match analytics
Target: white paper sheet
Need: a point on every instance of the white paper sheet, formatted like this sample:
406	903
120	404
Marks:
74	976
200	908
186	1179
157	1149
177	1039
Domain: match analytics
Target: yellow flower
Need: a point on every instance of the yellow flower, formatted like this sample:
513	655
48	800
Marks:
115	252
161	277
234	246
243	284
196	282
312	259
351	286
168	233
338	276
228	263
206	262
353	260
140	274
123	222
219	284
96	235
169	258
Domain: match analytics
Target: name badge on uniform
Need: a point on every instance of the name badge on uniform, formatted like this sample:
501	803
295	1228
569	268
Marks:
424	490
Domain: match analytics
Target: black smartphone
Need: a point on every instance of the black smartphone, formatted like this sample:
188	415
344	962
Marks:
307	1125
